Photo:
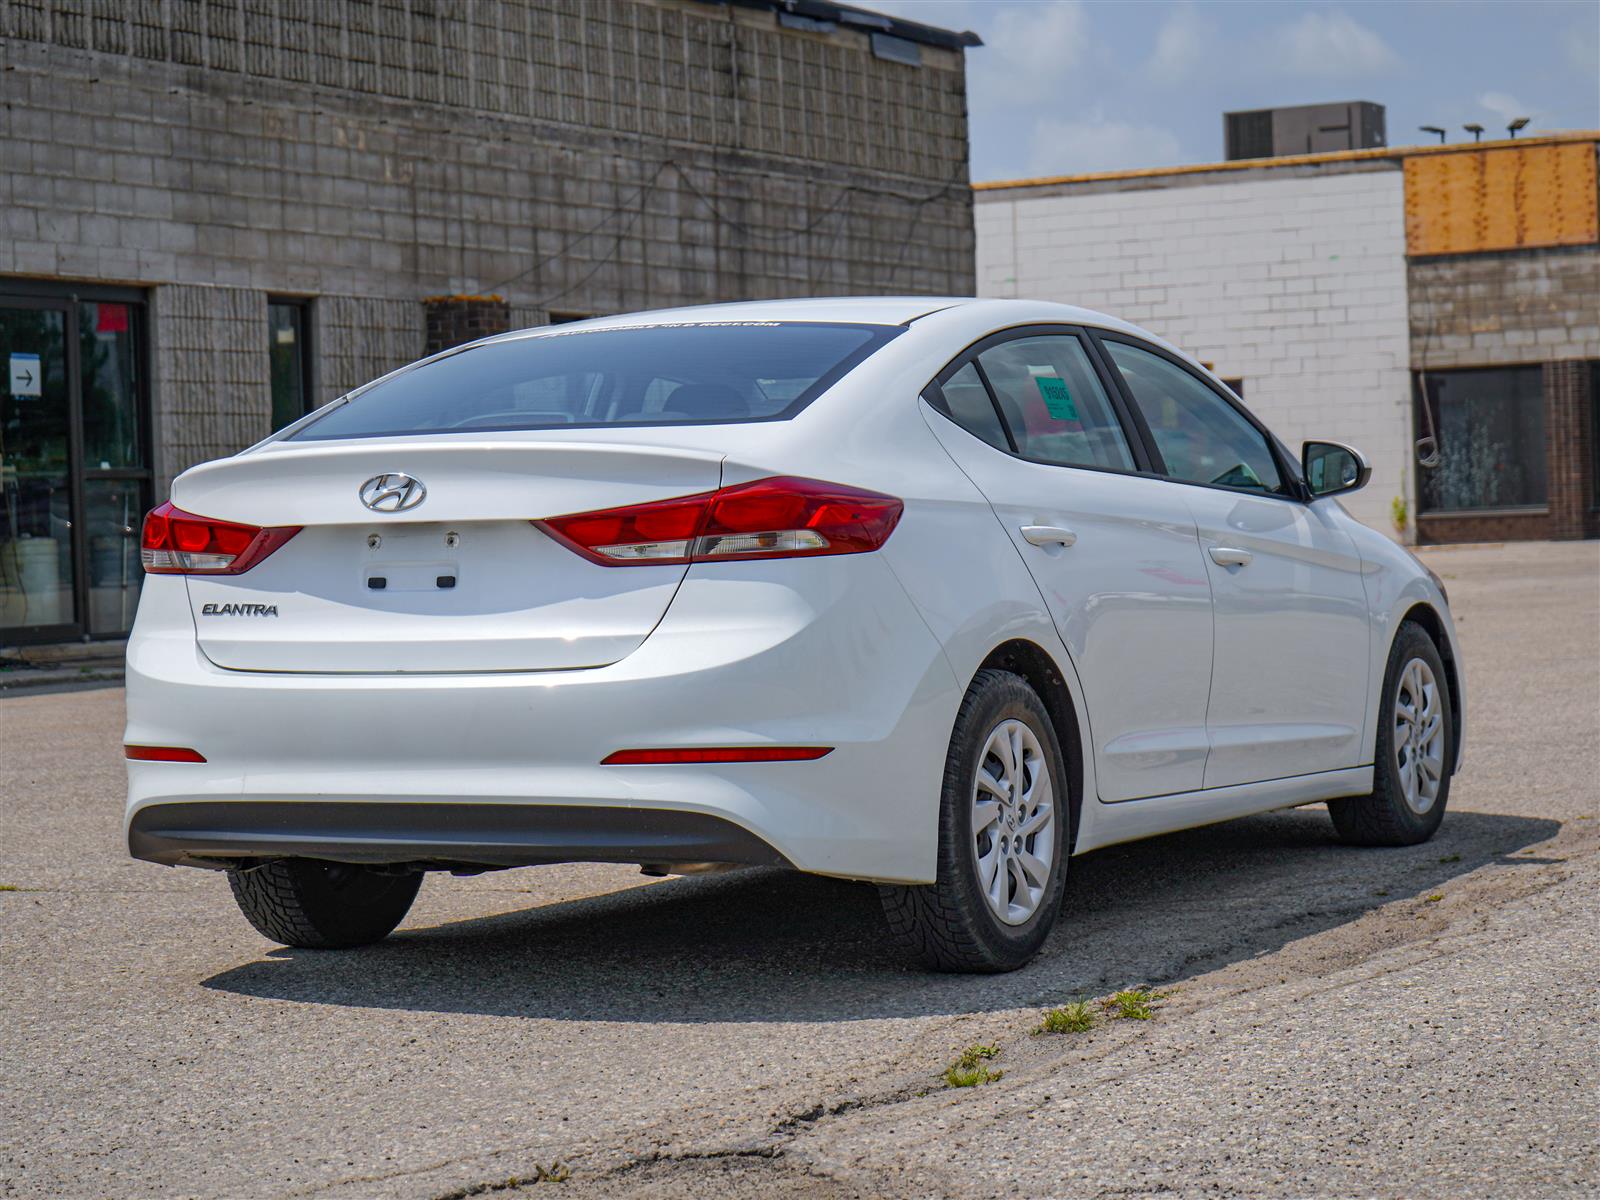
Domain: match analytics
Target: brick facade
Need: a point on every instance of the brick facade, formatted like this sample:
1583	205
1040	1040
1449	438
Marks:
1570	400
455	320
565	155
211	374
1504	308
358	338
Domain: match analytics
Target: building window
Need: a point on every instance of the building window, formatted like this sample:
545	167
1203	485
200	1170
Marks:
290	352
1236	386
75	475
1490	429
567	318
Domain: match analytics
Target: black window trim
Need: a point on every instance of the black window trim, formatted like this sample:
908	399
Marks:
1137	447
1289	473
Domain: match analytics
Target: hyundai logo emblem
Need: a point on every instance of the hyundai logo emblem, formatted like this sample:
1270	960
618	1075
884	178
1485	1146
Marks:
393	492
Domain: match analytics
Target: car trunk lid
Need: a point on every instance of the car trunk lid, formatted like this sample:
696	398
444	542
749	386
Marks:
462	581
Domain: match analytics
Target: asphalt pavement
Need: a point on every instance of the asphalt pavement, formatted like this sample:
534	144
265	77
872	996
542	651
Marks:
1418	1022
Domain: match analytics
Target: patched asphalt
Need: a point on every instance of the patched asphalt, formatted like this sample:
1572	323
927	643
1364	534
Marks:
1417	1022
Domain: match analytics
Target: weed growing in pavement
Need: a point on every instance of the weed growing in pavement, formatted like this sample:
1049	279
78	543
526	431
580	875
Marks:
9	887
969	1070
1132	1004
1451	858
1076	1017
1434	898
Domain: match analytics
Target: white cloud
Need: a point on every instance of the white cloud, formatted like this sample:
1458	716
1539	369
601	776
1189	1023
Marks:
1506	107
1093	143
1583	49
1185	43
1030	52
1330	45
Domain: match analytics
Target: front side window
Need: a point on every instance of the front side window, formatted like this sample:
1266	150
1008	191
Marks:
1490	426
1202	438
703	374
1053	403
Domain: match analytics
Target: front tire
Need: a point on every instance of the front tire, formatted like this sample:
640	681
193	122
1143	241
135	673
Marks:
323	905
1415	750
1004	836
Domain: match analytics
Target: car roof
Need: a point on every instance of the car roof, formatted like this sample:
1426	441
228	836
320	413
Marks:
868	310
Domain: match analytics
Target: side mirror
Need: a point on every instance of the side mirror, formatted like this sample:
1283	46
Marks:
1331	468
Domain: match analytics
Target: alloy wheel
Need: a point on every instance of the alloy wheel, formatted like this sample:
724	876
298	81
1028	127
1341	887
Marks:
1418	735
1013	822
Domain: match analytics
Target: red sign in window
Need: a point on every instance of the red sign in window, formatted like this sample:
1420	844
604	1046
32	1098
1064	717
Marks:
111	318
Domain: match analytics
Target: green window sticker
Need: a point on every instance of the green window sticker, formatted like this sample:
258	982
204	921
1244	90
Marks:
1057	400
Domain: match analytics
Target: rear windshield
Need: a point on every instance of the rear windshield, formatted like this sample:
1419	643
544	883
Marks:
703	374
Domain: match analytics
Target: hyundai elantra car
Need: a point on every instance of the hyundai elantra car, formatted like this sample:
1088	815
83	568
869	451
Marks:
931	593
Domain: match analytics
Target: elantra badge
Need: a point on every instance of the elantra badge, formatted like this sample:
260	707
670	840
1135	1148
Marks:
393	492
239	610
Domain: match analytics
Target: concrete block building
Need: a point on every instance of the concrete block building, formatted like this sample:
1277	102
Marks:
216	215
1379	297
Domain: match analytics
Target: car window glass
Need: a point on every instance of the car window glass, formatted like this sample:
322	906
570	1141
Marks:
1053	403
1200	435
702	373
967	403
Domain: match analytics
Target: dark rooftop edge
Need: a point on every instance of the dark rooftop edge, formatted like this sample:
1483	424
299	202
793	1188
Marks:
863	19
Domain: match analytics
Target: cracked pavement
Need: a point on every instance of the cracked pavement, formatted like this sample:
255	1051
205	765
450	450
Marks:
1416	1022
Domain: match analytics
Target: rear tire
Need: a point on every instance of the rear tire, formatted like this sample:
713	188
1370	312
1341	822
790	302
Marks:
1415	751
323	905
1004	837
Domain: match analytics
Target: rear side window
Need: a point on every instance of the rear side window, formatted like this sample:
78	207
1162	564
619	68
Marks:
1053	403
1201	436
967	402
704	374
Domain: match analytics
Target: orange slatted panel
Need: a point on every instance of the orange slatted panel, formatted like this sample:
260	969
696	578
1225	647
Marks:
1479	200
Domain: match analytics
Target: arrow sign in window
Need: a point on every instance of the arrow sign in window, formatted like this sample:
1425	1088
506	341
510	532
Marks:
27	377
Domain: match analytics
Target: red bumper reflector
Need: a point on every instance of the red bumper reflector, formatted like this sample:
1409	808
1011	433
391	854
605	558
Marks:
163	754
715	754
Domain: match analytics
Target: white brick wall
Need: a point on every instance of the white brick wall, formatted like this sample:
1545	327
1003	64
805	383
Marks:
1297	285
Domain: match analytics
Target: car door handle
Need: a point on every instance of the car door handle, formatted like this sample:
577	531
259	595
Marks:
1226	556
1048	535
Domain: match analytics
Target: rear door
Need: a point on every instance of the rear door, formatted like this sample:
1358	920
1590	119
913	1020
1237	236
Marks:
460	581
1289	681
1113	549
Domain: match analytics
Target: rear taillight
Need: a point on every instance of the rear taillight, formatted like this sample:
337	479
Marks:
180	543
770	518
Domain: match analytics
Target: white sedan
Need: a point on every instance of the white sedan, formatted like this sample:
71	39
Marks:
934	593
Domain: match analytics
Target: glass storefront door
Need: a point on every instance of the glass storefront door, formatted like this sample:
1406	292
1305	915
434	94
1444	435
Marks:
74	466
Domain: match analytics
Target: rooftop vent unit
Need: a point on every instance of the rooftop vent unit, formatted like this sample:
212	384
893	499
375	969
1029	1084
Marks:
1305	129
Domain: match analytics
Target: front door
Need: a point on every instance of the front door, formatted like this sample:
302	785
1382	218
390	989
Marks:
74	466
1113	550
1289	678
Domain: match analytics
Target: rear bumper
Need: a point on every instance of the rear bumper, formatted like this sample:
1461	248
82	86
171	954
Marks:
818	652
435	835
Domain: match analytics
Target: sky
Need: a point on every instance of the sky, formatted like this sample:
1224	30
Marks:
1067	86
